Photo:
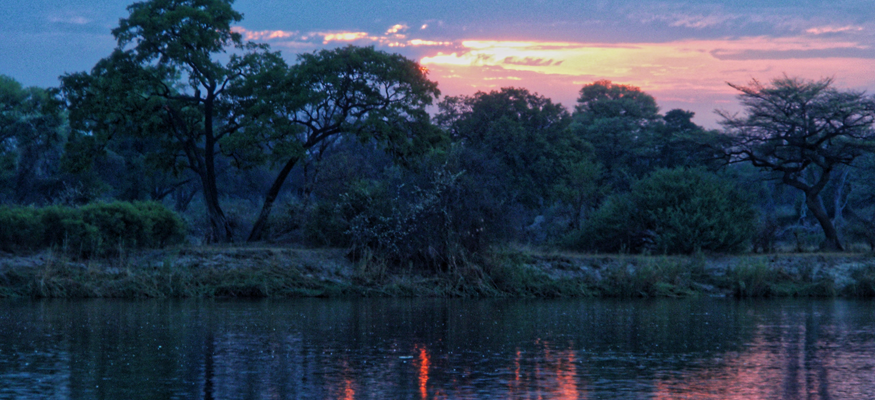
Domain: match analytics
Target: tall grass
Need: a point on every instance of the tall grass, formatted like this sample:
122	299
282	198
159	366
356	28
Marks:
755	278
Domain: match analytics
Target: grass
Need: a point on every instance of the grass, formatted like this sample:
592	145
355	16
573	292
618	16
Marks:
62	278
274	272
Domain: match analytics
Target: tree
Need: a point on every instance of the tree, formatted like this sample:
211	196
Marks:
31	122
165	81
678	142
802	130
528	134
619	121
354	92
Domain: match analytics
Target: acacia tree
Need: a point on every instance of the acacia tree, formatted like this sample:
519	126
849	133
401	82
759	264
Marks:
354	92
165	81
802	130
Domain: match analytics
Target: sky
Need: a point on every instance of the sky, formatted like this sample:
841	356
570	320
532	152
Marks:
681	52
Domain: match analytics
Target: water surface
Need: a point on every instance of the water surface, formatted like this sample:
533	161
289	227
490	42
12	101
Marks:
416	349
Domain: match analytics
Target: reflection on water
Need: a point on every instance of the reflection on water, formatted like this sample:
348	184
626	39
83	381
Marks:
435	349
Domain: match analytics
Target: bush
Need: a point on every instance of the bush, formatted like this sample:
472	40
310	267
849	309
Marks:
96	229
20	229
166	226
444	223
65	229
672	211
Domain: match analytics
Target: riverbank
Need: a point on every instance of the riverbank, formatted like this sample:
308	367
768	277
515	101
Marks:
206	272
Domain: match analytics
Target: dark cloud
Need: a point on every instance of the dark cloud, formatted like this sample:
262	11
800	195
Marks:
533	62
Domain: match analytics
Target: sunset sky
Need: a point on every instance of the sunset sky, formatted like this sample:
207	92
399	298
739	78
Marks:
681	52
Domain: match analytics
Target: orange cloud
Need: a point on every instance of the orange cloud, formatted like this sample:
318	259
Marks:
396	28
342	36
420	42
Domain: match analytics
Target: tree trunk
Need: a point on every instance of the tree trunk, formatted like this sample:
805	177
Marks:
221	229
261	223
815	205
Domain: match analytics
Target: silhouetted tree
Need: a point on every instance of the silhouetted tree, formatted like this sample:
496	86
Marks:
366	94
802	130
166	81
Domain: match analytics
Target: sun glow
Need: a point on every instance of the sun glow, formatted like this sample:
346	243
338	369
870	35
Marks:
692	73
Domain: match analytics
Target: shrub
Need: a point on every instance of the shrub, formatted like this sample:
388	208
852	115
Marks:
119	224
96	229
166	226
65	229
613	228
443	224
20	229
123	225
326	227
672	211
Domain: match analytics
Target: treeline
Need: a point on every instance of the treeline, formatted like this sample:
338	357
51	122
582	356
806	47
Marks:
339	149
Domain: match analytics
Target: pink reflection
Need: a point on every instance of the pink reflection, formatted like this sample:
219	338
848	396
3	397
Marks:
788	366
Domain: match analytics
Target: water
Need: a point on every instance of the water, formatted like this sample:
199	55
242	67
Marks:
414	349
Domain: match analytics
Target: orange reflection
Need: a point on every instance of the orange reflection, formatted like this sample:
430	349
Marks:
555	375
566	376
423	372
348	391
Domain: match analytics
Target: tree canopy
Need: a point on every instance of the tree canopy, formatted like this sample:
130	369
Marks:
527	133
618	120
359	92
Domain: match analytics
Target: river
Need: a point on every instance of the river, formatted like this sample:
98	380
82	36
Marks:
433	348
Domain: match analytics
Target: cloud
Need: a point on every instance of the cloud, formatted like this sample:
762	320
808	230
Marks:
420	42
540	62
393	38
328	37
396	29
687	73
698	21
691	72
75	20
832	29
697	17
263	35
